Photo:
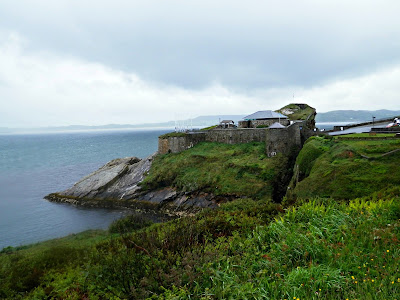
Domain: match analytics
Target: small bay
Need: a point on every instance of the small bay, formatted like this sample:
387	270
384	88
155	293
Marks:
34	165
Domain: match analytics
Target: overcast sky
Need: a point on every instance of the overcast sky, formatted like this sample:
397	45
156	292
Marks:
66	62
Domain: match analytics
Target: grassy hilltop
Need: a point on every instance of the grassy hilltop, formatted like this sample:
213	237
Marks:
338	238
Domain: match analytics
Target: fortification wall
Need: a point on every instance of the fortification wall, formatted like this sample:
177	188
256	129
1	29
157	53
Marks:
236	136
277	140
268	122
282	140
181	143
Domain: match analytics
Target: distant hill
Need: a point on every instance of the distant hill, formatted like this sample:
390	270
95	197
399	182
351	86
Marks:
205	121
355	115
198	122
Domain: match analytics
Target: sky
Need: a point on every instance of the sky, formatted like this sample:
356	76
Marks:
65	62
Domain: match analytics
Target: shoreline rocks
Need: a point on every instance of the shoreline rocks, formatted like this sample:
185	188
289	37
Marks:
117	185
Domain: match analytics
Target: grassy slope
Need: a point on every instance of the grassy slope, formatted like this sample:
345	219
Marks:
332	168
320	249
24	268
222	169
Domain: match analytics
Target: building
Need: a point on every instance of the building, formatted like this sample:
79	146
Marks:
264	118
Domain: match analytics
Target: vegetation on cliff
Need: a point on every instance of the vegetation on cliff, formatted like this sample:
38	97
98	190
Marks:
222	169
345	169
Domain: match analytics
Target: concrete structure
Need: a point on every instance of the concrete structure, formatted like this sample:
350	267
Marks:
263	118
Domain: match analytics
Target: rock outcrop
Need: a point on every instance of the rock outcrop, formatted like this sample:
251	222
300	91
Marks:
117	185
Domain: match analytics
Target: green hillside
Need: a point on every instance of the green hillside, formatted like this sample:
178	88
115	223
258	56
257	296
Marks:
345	169
319	249
221	169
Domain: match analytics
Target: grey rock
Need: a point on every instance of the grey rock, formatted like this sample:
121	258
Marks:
117	179
117	184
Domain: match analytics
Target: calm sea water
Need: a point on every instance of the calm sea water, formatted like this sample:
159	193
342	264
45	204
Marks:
34	165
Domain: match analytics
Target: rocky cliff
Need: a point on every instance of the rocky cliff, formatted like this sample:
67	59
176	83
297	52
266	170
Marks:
117	185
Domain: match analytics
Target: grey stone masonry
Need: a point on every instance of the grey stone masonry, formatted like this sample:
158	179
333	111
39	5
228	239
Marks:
277	140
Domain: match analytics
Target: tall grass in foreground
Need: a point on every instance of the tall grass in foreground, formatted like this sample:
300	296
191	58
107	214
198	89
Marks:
320	250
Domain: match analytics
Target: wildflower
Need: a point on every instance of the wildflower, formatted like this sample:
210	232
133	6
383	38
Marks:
355	282
319	289
392	282
372	259
352	277
372	280
387	251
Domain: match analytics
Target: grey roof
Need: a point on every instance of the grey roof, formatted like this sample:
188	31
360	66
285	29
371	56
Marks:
227	121
277	125
265	114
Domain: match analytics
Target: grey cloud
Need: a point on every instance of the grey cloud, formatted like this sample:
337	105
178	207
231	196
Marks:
241	44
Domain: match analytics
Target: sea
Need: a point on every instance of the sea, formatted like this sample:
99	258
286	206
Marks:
34	165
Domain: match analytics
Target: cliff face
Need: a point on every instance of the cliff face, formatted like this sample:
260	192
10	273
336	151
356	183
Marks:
117	185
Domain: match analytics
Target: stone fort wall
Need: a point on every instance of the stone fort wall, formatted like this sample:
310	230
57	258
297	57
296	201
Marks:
277	140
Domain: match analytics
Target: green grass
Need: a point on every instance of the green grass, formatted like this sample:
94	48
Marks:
210	127
24	268
221	169
172	134
318	249
340	170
